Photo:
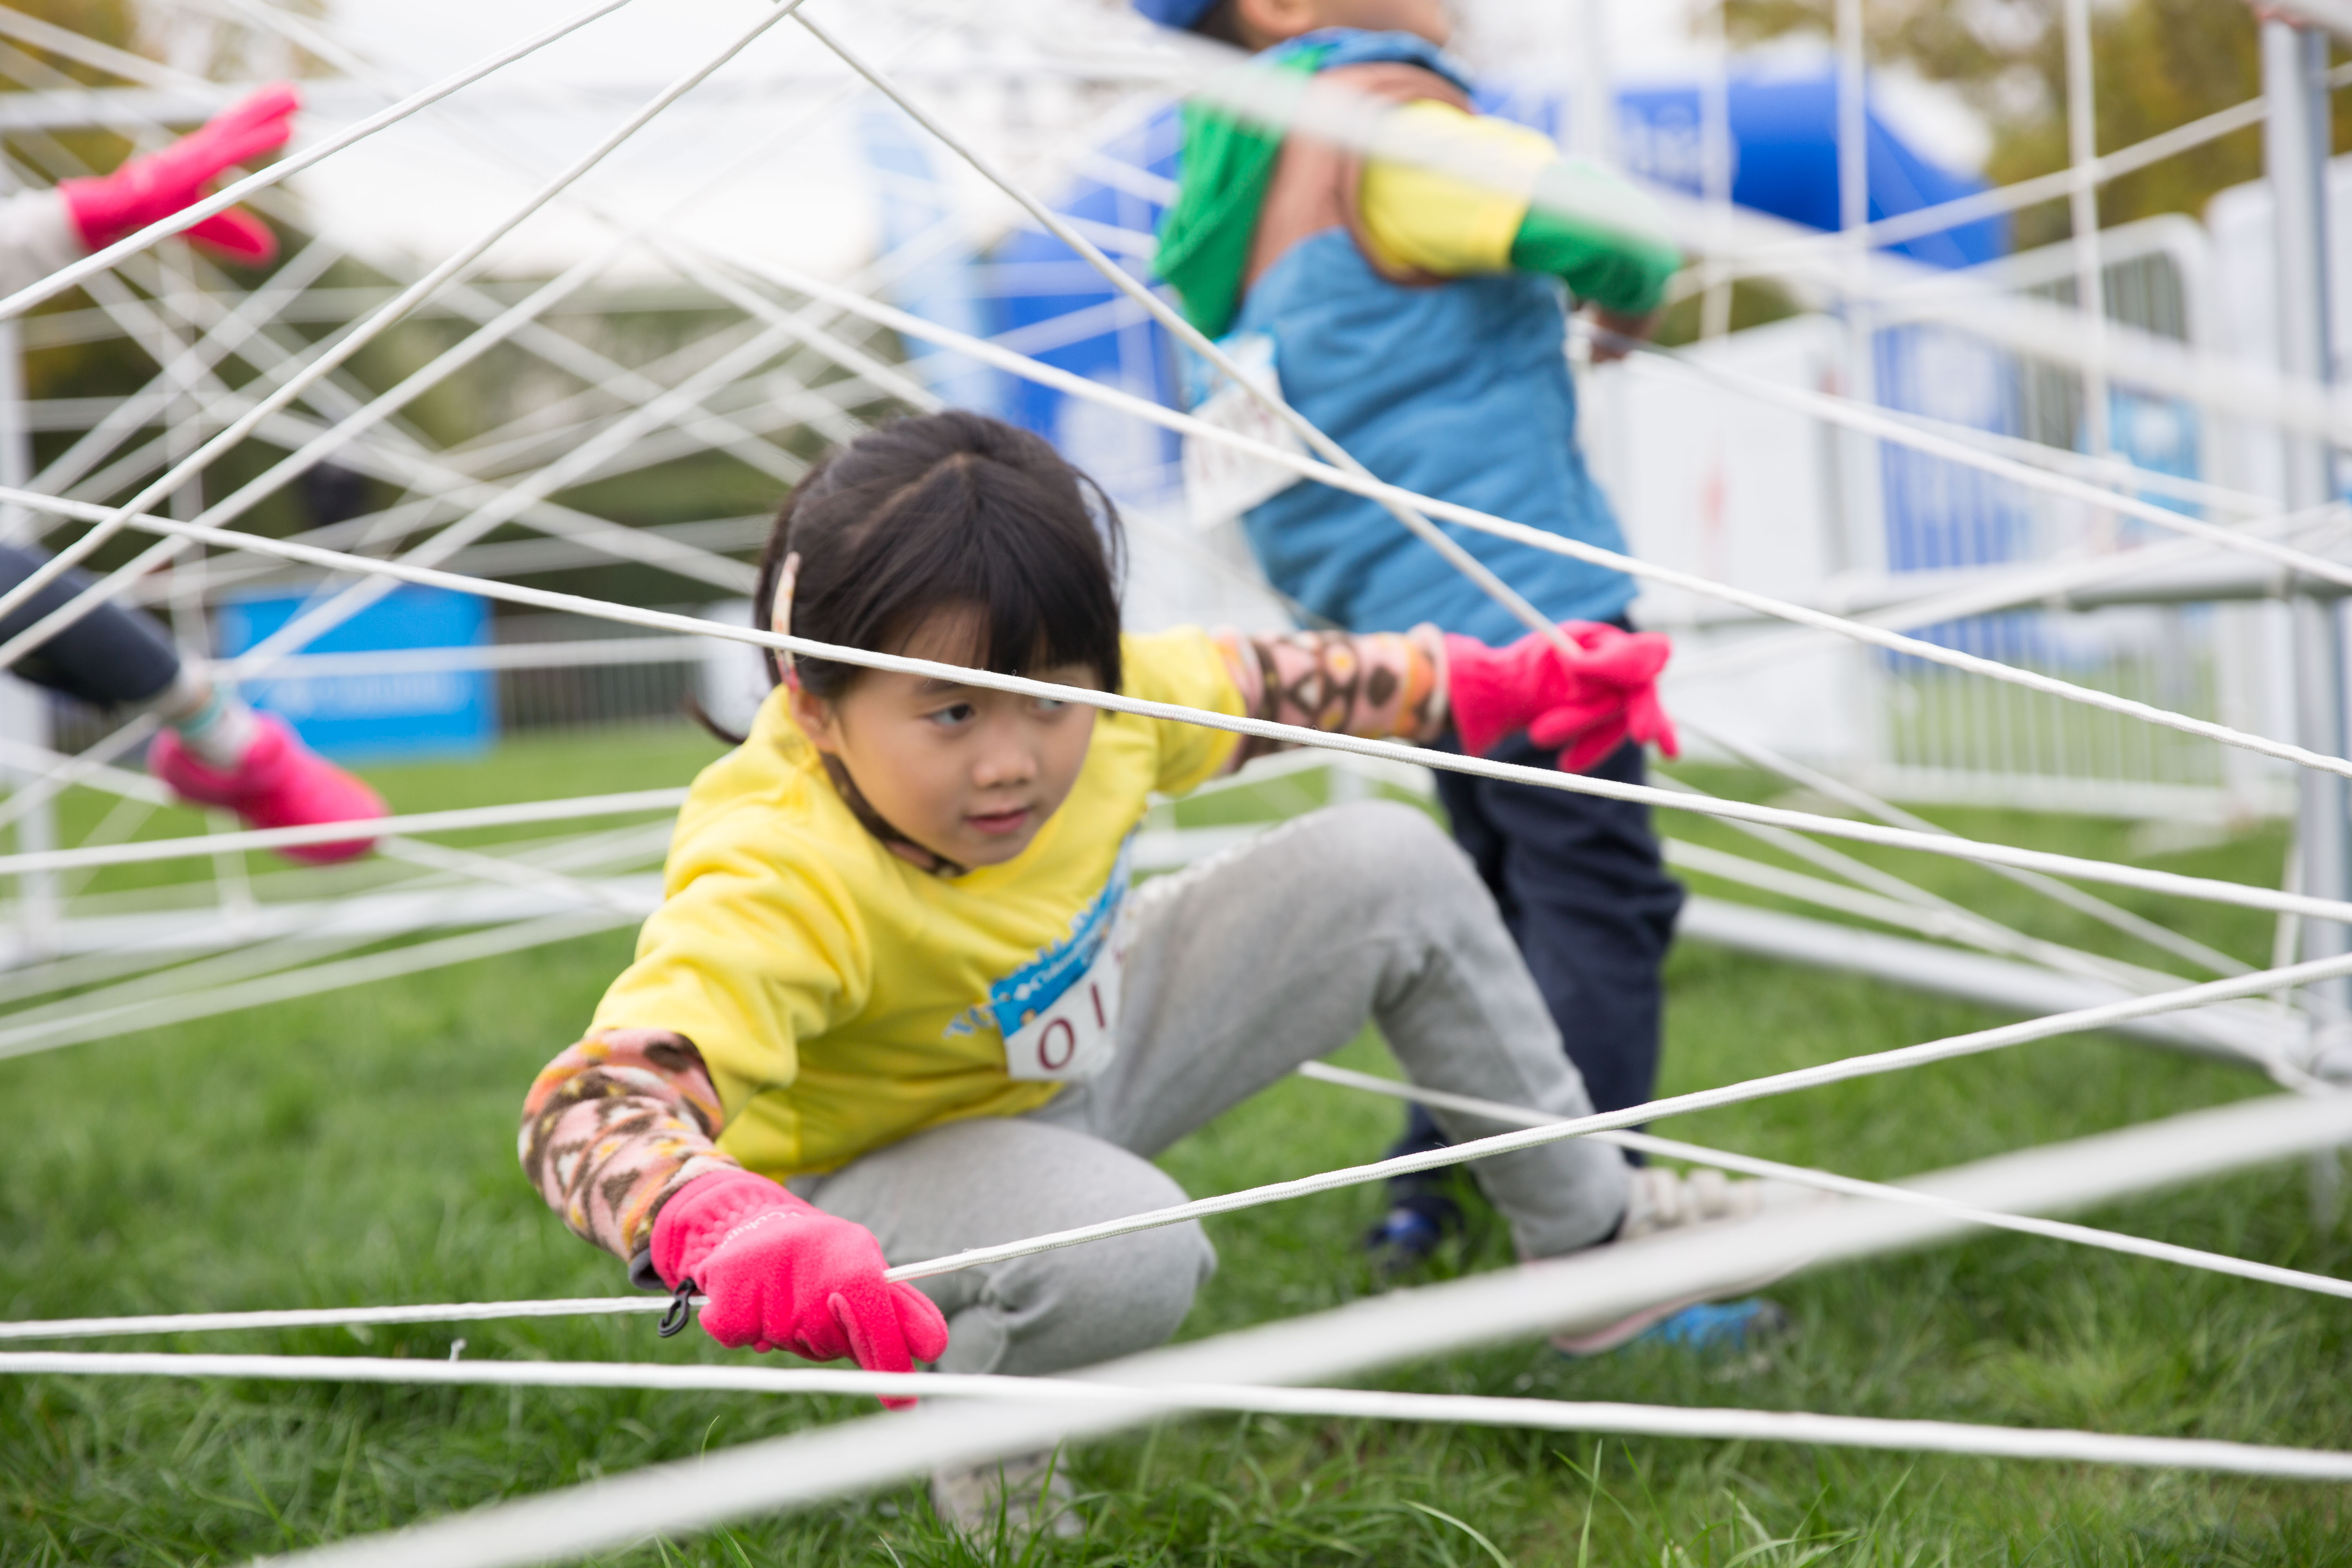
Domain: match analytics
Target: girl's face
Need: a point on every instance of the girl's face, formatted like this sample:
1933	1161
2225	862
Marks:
969	774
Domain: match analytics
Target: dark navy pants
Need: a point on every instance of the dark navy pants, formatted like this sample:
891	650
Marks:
1588	899
110	656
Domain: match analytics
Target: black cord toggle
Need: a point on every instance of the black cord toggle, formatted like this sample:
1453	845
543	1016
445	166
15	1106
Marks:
681	1307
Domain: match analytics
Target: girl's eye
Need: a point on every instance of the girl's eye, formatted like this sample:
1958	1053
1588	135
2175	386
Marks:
1048	705
954	713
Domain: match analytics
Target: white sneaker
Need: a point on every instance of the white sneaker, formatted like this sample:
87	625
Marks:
1028	1492
1669	1200
1663	1200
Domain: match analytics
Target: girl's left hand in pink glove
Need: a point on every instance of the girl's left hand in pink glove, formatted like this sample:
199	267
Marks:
155	186
1586	705
782	1273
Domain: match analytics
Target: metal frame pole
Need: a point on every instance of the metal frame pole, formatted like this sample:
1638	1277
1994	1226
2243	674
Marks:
2082	206
1857	535
1862	491
1592	121
38	908
2296	146
1715	156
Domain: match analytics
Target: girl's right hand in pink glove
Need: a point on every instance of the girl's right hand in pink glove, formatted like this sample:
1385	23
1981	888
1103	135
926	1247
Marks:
1585	703
153	187
782	1273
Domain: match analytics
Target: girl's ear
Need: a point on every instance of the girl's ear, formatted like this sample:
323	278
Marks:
817	719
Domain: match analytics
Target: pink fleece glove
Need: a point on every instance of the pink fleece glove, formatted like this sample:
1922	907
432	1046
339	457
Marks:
781	1273
153	187
1587	706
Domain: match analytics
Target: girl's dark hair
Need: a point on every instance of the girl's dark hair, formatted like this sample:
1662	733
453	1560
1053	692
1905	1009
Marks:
945	512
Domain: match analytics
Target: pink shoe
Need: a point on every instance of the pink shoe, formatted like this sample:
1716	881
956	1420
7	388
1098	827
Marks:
281	783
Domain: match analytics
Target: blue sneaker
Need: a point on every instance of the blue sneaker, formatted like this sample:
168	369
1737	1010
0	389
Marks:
1713	1326
1409	1233
1703	1328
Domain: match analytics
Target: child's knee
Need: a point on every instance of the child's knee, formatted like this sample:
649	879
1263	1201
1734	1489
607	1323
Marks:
1146	1281
1080	1305
1131	1292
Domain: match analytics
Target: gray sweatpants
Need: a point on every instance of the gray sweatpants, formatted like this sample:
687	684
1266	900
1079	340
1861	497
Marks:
1238	970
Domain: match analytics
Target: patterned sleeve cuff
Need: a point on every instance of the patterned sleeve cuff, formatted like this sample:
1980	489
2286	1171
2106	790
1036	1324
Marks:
1379	685
614	1126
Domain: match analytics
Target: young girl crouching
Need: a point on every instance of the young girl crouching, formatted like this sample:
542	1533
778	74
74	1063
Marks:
900	1001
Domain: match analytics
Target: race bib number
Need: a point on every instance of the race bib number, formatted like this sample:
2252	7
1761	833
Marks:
1221	482
1076	1037
1058	1013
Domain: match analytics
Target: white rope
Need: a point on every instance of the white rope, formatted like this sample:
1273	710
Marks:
279	935
229	195
1139	297
630	386
311	981
331	1317
230	334
503	872
1543	778
1598	1286
540	513
488	655
1941	920
1070	233
2117	469
2113	916
563	810
1981	205
655	1306
1395	498
117	1005
1893	900
338	350
535	511
2231	388
316	621
2043	583
1372	489
2079	1021
1371	1404
89	763
567	353
1107	264
1855	416
1847	1186
1871	1065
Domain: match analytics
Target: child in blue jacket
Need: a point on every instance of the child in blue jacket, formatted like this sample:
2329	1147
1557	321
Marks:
1421	322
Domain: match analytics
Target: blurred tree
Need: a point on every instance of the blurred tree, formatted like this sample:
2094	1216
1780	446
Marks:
2156	64
113	22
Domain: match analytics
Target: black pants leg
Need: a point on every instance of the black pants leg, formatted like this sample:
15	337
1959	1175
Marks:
1586	895
109	658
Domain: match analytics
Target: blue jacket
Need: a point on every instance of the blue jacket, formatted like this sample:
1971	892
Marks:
1460	391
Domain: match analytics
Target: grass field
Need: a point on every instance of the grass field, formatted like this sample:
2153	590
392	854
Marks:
358	1148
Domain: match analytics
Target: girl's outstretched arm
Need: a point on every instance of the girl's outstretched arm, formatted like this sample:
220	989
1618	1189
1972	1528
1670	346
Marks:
1585	698
1383	685
613	1127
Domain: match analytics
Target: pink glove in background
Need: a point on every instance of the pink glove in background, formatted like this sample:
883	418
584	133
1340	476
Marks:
1587	706
157	184
780	1273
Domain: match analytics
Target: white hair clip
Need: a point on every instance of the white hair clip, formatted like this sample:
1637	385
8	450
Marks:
781	619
